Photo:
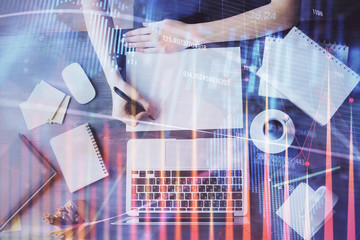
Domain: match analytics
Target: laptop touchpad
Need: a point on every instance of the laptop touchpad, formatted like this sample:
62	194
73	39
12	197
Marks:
187	154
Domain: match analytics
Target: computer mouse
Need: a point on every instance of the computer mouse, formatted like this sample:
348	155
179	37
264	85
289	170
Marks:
78	83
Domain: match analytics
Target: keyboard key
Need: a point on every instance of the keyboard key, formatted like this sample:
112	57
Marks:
219	196
222	173
199	173
180	196
215	209
157	209
187	195
215	203
197	180
206	209
209	188
165	196
149	196
195	196
172	196
194	188
142	196
238	173
211	196
161	204
182	180
223	204
182	209
184	204
167	209
213	180
163	189
205	181
238	203
207	204
203	195
136	203
178	188
157	196
135	196
142	209
237	180
150	172
133	189
175	181
167	180
171	188
134	172
157	174
214	173
202	188
169	204
147	188
230	173
200	204
176	204
151	181
192	204
165	173
222	209
236	196
140	188
221	181
142	174
155	188
224	188
230	203
190	181
238	209
190	209
227	195
139	181
217	188
186	188
236	188
159	181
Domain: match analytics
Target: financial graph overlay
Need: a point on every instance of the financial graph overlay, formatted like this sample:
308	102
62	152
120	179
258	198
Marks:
308	191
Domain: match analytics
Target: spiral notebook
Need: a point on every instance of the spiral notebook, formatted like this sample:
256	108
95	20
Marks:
308	75
79	158
341	52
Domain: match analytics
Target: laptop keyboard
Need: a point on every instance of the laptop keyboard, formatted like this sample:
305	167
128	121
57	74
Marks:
202	191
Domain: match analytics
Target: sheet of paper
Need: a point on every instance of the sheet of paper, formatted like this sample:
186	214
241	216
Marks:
42	105
339	51
192	89
308	76
60	114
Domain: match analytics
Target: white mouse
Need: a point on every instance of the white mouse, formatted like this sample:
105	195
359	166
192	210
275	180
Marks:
78	83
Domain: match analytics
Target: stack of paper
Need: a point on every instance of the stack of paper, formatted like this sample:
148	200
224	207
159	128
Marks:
308	75
46	104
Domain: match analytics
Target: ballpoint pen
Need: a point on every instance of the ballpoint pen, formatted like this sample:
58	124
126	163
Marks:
138	107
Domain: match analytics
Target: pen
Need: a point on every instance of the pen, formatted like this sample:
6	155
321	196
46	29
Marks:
35	151
139	108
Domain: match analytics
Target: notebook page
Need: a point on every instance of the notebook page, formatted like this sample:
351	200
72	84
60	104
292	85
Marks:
309	76
193	89
77	157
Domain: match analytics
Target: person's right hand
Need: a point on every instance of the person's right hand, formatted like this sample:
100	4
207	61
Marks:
121	109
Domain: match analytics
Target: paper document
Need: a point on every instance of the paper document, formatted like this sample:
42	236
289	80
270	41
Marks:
309	76
45	104
192	89
305	211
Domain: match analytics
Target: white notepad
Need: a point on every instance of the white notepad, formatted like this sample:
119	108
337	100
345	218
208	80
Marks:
79	158
341	52
192	89
302	71
307	217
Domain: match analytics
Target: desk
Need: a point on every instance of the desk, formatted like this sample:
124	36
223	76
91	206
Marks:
28	59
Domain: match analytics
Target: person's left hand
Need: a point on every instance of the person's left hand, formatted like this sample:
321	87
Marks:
165	36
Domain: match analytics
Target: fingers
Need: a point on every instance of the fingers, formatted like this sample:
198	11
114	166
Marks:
139	31
138	38
148	50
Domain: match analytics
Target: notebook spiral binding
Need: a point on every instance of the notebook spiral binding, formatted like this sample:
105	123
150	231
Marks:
316	45
101	161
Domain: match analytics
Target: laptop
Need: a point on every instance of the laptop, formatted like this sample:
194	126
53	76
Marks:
172	181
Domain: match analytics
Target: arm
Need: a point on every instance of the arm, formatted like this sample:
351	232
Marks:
240	27
92	13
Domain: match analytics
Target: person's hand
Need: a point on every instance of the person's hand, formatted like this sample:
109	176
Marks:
121	109
125	111
165	36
